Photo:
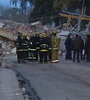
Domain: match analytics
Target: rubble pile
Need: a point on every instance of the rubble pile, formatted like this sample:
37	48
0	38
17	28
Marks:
87	31
6	47
14	27
9	29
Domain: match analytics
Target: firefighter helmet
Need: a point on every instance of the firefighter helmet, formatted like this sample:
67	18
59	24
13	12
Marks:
54	32
24	35
44	35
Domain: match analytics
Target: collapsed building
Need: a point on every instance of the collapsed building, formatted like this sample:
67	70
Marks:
9	29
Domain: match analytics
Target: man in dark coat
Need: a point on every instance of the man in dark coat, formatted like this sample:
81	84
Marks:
76	46
68	48
87	48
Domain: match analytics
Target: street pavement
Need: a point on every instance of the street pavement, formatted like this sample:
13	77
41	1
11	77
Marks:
61	81
9	87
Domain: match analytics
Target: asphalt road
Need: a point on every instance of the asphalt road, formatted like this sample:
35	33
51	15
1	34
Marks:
62	81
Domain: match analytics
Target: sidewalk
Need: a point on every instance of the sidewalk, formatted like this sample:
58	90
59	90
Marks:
9	87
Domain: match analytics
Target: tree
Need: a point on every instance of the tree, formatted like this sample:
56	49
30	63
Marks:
42	9
45	10
87	5
60	4
13	14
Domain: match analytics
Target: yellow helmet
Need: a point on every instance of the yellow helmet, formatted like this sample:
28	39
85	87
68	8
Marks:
24	35
54	32
44	35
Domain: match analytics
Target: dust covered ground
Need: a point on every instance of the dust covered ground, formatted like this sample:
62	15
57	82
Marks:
61	81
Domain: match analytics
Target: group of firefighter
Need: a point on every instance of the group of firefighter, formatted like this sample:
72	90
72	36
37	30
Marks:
39	47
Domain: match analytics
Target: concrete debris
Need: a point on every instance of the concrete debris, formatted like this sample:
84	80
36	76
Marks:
9	29
1	25
36	23
62	34
87	31
23	89
7	47
13	51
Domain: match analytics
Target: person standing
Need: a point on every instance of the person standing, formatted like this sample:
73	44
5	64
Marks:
55	44
32	48
44	46
76	45
37	40
87	48
25	42
19	50
68	47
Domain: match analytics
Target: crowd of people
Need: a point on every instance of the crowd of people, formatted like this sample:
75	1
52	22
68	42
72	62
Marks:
42	48
76	47
45	47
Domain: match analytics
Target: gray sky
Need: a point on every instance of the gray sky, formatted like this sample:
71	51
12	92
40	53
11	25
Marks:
5	2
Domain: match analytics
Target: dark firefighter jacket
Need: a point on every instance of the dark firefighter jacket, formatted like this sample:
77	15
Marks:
18	43
32	44
44	44
25	42
37	40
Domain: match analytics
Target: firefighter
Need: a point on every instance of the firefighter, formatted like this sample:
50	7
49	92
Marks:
44	46
37	39
18	44
55	44
25	42
32	48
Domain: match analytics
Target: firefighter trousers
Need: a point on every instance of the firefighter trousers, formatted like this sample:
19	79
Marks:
43	56
55	55
32	55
